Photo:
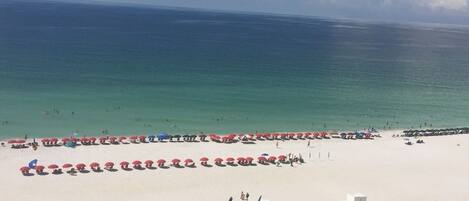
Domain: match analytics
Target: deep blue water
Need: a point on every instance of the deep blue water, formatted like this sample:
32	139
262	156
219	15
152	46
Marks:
124	70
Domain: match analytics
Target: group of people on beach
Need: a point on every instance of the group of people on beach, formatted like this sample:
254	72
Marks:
244	197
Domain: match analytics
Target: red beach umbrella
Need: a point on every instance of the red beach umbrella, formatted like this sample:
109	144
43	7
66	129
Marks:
142	138
161	162
204	159
230	159
11	141
148	163
218	161
109	164
53	166
80	166
136	162
176	161
24	170
240	159
67	165
39	169
189	162
112	139
121	138
94	164
261	159
282	157
272	159
20	141
124	164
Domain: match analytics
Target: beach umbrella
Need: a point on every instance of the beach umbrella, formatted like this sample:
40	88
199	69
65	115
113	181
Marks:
20	141
109	164
67	165
102	139
261	159
272	159
24	170
133	138
121	138
241	160
161	162
53	166
176	162
94	165
148	163
11	141
39	169
299	135
282	157
80	166
163	135
218	161
32	164
230	159
136	163
204	159
65	140
124	164
189	162
249	160
142	138
92	140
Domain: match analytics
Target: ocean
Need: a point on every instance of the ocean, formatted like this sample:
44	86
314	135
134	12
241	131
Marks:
97	70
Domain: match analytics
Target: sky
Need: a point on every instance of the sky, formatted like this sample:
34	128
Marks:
429	11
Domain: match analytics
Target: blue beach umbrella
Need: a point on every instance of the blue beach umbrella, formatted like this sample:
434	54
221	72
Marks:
163	135
32	164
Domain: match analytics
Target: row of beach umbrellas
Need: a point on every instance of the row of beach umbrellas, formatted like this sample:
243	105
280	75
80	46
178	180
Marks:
150	164
230	138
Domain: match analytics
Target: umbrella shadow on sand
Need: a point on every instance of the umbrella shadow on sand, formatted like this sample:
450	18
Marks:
98	170
164	167
151	168
248	142
208	165
112	170
84	171
43	173
28	174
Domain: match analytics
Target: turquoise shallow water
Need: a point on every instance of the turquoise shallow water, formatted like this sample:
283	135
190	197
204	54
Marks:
67	68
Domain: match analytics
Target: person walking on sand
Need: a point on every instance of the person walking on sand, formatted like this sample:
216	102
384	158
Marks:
276	144
231	199
309	143
247	196
242	195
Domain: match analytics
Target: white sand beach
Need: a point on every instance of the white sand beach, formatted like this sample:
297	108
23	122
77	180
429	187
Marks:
384	169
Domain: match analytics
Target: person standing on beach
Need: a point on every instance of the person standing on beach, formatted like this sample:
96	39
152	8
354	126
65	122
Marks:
309	143
247	196
276	144
231	199
242	195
